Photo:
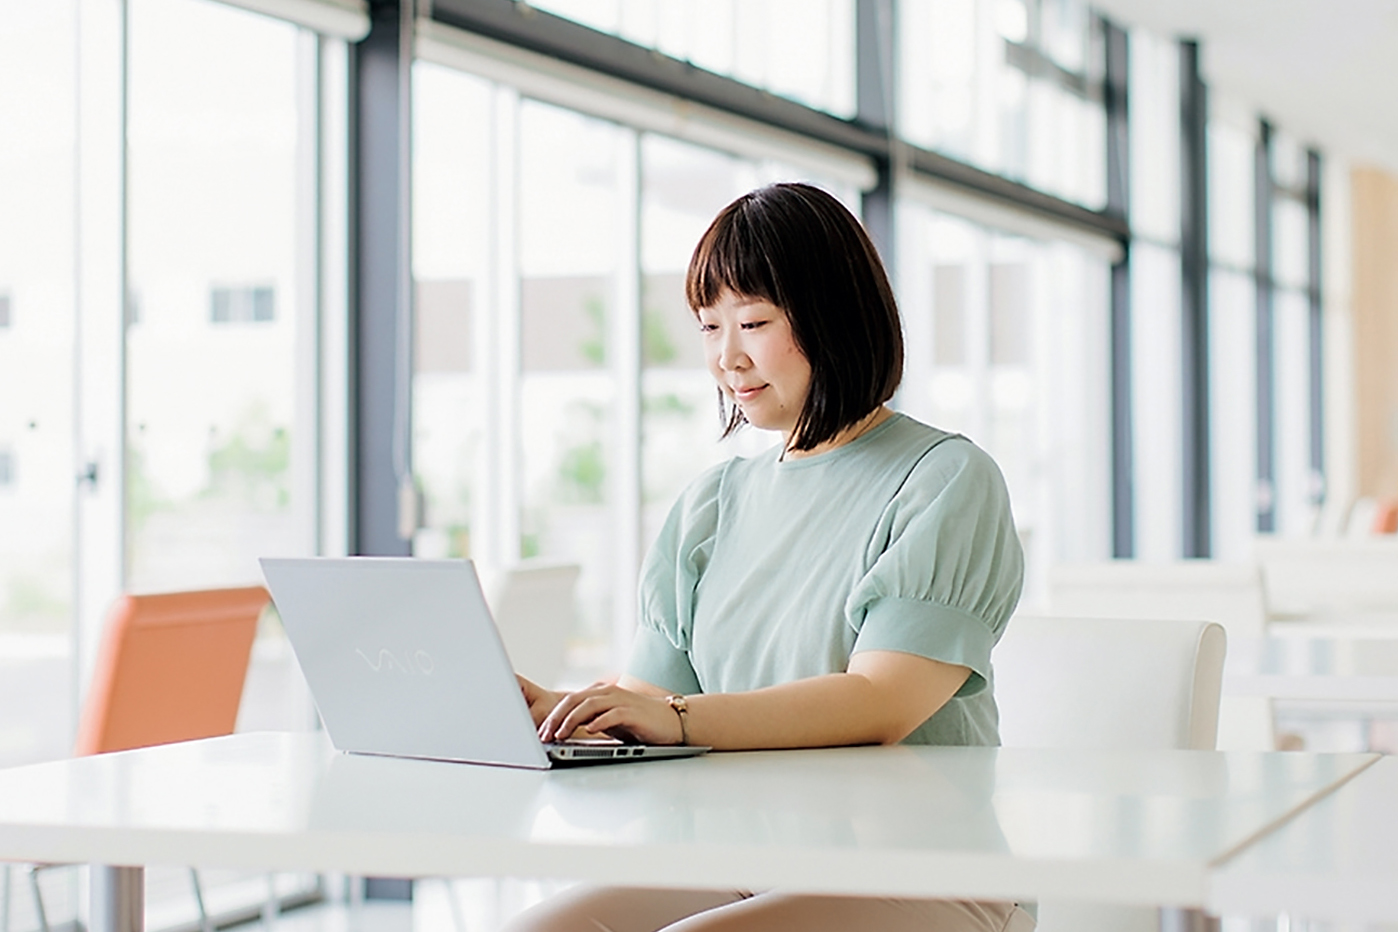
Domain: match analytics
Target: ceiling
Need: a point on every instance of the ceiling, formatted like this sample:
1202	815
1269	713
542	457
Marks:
1325	71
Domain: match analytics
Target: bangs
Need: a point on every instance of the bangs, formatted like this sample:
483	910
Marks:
730	257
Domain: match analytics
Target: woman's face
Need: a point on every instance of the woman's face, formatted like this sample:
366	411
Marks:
753	356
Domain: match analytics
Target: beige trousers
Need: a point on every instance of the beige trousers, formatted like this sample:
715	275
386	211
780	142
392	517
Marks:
629	909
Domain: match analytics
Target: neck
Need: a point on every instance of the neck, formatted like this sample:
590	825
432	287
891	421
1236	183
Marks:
851	433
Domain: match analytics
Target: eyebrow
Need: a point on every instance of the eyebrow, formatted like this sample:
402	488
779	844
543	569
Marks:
749	300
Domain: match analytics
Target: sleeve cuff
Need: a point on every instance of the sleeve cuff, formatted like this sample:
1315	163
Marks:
656	661
937	632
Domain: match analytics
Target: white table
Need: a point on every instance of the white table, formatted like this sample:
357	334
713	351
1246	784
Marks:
1130	827
1337	861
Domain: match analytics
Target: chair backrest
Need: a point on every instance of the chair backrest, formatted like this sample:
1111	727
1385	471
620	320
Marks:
1230	594
170	668
1109	683
1311	577
534	606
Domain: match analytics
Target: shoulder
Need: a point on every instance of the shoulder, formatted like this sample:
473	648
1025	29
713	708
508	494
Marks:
946	475
699	502
937	454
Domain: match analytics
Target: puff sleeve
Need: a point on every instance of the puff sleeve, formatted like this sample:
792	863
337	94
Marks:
945	566
669	577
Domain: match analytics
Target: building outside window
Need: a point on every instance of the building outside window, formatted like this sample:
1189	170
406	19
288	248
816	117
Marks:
256	304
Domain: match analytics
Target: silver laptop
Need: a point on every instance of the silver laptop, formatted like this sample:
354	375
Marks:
403	659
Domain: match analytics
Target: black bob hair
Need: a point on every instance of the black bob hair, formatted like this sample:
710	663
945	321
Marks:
799	248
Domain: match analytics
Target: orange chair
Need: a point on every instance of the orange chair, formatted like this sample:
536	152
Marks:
170	668
1386	517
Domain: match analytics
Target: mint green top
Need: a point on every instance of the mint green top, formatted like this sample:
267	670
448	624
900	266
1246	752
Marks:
769	571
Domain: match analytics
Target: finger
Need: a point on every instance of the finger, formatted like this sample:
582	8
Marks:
583	714
548	728
618	724
557	721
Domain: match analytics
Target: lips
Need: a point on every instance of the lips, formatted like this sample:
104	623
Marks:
747	393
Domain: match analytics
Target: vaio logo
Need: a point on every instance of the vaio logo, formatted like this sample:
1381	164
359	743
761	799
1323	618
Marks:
418	663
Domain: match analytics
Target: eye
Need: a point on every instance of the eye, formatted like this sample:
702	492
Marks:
752	324
706	327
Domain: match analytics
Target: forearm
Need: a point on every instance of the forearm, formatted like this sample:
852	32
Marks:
824	711
883	697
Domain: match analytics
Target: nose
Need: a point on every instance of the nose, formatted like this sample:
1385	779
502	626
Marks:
731	356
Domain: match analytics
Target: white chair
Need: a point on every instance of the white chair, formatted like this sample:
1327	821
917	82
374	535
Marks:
1107	683
1230	594
1346	580
534	605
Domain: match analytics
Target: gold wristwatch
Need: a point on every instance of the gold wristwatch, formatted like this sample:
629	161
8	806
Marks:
681	707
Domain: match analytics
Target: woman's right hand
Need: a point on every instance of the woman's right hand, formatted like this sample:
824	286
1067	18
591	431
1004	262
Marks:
540	701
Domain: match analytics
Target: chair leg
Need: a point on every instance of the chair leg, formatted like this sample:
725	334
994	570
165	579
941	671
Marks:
270	905
5	901
1187	920
204	924
458	915
38	899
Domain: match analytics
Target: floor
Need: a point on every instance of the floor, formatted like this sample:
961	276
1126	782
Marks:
437	905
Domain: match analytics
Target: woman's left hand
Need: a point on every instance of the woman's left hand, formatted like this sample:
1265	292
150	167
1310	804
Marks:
607	709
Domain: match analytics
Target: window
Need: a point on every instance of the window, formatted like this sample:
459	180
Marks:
241	305
799	49
1006	343
1232	137
1012	86
456	363
38	162
577	175
214	236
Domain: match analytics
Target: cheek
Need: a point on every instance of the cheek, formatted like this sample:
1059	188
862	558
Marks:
794	361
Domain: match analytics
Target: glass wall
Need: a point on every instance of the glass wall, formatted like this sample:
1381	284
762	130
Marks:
1011	86
1299	489
799	49
576	220
1005	345
198	190
214	299
1232	140
1156	282
38	92
453	204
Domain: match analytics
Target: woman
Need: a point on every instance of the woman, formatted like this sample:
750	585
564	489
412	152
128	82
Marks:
845	588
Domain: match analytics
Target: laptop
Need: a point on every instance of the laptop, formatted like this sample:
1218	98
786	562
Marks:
403	660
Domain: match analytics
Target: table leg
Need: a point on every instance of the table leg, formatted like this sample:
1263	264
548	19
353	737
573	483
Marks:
1187	920
118	899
